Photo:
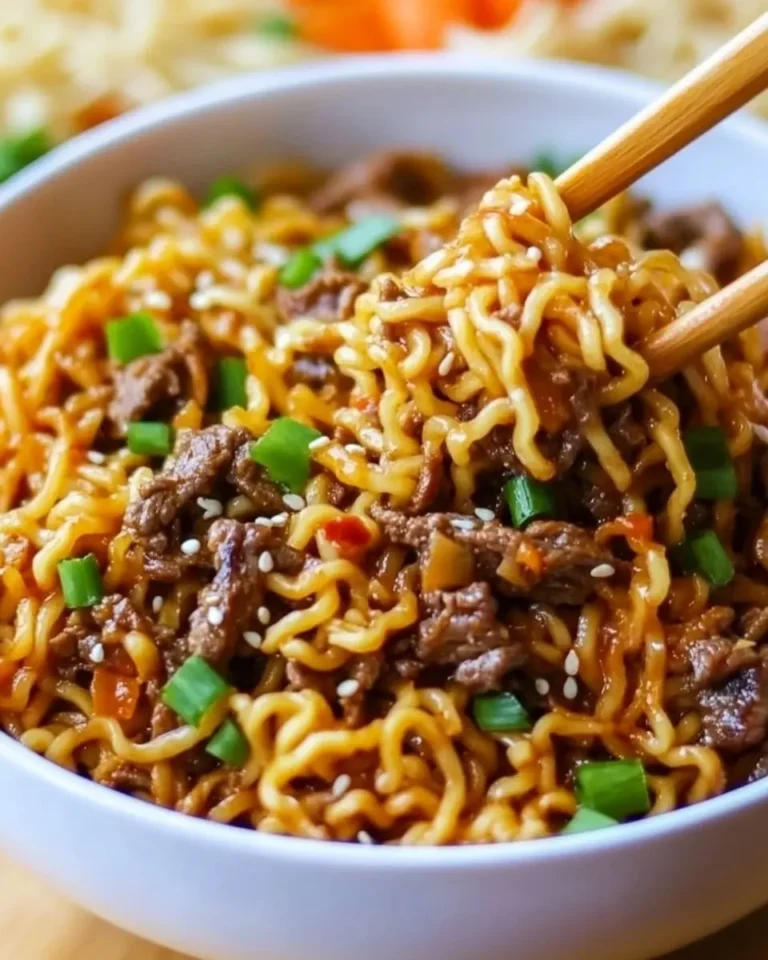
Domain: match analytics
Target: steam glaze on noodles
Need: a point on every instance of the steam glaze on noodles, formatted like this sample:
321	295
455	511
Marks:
489	502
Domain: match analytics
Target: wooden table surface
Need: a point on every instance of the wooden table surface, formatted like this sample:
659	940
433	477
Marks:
38	924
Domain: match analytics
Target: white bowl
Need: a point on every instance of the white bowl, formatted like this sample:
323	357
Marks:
218	892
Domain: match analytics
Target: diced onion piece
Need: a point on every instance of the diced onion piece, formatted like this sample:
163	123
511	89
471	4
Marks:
448	564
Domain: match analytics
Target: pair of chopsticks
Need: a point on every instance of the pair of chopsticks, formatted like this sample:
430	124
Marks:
729	79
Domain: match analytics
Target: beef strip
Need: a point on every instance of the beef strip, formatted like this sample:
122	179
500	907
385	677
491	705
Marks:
429	484
487	671
237	590
568	553
706	227
250	479
734	714
317	372
754	624
714	659
329	296
155	379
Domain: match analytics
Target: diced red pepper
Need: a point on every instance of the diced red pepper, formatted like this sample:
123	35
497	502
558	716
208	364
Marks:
638	525
348	534
114	695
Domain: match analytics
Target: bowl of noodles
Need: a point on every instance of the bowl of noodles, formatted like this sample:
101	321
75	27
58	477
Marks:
360	590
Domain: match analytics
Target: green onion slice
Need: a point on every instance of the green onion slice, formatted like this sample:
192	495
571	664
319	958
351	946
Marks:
194	689
229	745
707	449
277	27
284	452
229	388
131	337
17	152
615	788
300	268
359	240
703	553
231	187
528	500
585	820
500	713
150	438
81	582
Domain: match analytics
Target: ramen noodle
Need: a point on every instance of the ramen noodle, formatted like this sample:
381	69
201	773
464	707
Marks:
329	513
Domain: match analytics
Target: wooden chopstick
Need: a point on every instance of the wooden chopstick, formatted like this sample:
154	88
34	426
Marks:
727	80
724	314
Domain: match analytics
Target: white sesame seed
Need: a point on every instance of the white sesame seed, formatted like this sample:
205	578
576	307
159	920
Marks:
693	258
760	432
319	442
271	253
266	563
446	364
263	522
365	837
157	604
252	638
212	508
571	665
263	615
279	520
354	448
348	688
542	686
199	301
97	653
93	456
349	469
570	689
233	239
294	502
204	280
602	570
341	784
462	523
282	338
158	300
215	616
533	253
191	547
484	514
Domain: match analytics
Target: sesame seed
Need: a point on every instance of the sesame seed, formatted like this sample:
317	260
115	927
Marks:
294	502
215	616
341	784
158	300
157	604
354	448
199	301
462	523
97	653
252	638
570	689
191	547
212	508
364	837
263	522
233	239
347	688
263	615
279	520
319	442
93	456
446	364
602	570
349	469
542	686
204	280
484	514
693	258
760	432
533	253
266	563
572	664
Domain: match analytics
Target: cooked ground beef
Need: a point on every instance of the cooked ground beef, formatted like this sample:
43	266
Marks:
329	296
154	381
734	714
705	227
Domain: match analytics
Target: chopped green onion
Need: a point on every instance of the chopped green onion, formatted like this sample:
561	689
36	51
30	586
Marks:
500	713
229	386
284	452
229	745
131	337
300	268
231	187
707	449
325	248
150	438
81	582
585	820
194	689
17	152
528	499
277	27
359	240
703	553
616	788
